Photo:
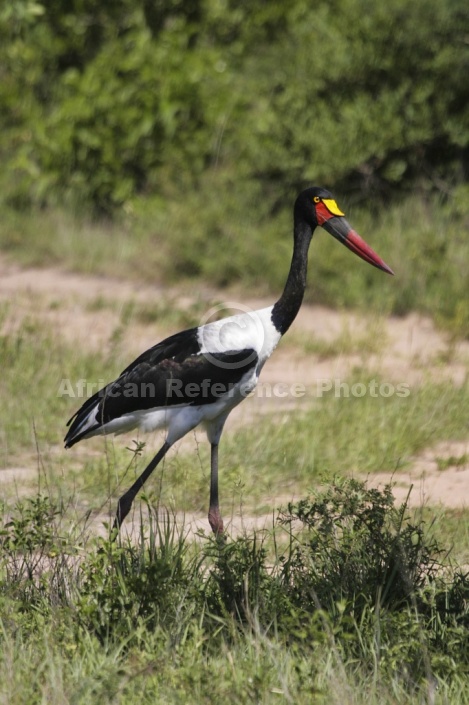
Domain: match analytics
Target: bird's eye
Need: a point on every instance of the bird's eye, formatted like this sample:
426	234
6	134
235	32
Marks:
316	199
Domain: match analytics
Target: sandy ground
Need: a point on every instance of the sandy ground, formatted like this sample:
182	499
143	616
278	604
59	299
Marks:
87	310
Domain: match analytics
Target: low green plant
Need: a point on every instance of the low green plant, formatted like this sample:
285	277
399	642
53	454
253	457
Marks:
355	548
38	555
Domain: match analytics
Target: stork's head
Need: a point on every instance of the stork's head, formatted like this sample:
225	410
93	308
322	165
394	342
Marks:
316	206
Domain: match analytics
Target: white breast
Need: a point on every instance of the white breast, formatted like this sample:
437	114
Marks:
253	329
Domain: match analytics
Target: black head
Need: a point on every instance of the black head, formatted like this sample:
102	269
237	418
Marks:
313	204
316	206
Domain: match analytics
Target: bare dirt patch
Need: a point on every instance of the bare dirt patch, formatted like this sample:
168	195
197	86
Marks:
439	475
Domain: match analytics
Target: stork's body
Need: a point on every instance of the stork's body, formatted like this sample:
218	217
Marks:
198	376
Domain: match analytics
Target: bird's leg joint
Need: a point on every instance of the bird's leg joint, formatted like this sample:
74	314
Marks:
215	520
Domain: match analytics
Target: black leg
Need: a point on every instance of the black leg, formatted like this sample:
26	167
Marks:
214	516
125	503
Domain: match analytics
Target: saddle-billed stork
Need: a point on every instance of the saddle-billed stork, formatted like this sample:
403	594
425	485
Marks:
199	375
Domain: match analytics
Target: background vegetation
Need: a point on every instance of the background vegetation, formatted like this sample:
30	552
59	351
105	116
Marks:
194	125
107	102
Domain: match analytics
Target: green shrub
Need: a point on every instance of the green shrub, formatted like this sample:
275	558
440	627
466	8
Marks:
356	548
106	102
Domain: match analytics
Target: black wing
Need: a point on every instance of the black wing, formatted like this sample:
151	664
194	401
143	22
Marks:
173	372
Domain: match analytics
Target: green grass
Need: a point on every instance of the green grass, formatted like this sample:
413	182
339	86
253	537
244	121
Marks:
293	452
450	527
165	311
35	362
169	313
225	237
346	437
290	452
320	620
371	341
453	461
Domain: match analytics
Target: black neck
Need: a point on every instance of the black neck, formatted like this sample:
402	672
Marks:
285	310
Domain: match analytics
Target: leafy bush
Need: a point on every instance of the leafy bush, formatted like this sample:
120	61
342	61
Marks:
357	549
105	102
132	111
37	556
242	585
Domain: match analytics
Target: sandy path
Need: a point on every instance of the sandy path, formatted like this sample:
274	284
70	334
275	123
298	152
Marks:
438	475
